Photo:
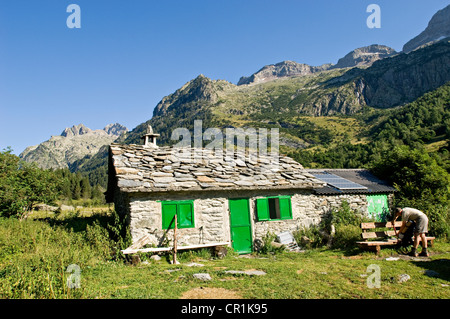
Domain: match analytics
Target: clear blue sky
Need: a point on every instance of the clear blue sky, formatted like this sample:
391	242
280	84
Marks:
128	55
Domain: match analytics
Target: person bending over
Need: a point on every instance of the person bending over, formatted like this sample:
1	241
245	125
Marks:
421	221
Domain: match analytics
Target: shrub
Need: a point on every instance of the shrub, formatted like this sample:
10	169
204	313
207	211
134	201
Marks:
346	223
119	233
439	221
23	185
346	236
344	215
416	174
266	245
314	236
98	237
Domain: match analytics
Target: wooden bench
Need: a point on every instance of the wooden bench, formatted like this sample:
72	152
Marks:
374	239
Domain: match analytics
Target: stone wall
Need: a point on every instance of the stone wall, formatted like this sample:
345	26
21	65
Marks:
308	209
212	218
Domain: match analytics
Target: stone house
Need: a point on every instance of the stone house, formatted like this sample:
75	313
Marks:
219	198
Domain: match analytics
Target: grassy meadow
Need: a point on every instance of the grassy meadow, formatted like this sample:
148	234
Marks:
35	254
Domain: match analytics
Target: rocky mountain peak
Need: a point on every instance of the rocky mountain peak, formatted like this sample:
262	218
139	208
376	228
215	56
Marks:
115	129
281	69
364	56
438	28
201	88
73	144
79	129
199	91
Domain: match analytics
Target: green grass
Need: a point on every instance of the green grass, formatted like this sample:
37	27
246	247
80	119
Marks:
35	254
317	274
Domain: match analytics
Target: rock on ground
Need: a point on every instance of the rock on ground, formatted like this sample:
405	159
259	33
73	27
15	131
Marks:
202	276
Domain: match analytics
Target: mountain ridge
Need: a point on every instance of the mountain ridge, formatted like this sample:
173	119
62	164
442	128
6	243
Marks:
389	82
281	69
73	144
360	57
438	28
386	83
365	56
79	129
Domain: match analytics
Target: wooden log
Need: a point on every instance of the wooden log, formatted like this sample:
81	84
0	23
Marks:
161	249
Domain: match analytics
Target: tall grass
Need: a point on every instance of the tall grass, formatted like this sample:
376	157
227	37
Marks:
34	256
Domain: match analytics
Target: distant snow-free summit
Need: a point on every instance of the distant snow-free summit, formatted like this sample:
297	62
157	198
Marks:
74	143
360	57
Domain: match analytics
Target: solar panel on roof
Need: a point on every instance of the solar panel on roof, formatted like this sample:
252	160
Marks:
337	181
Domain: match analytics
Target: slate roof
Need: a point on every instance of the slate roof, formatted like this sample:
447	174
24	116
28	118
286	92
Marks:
143	169
360	176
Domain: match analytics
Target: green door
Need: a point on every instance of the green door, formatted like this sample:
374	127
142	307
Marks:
378	207
240	226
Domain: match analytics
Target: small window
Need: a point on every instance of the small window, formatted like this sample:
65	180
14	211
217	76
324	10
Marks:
184	211
274	208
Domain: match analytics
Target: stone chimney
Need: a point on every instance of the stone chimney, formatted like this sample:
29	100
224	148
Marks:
150	137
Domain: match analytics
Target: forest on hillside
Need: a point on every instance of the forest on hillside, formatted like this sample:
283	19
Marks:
422	125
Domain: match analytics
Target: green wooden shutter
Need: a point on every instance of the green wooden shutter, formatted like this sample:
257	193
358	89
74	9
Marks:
184	211
262	209
168	215
285	207
185	215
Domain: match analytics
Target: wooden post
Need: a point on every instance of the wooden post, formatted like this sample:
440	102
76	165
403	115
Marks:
175	241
